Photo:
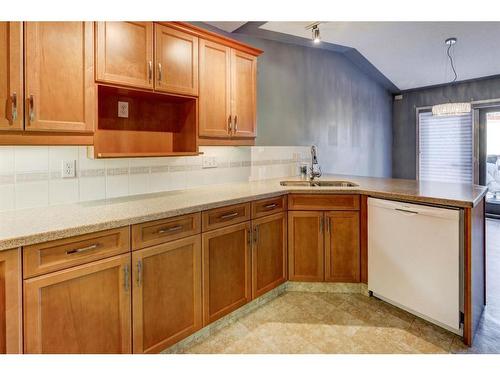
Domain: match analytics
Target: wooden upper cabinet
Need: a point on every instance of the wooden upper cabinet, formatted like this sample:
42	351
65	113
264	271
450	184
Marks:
124	53
243	93
59	86
166	294
81	310
342	251
176	60
10	302
215	94
228	87
11	76
268	253
305	246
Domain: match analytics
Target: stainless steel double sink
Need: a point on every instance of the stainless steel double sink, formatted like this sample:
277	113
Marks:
332	183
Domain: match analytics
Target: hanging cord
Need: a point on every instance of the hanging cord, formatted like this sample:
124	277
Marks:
452	64
454	72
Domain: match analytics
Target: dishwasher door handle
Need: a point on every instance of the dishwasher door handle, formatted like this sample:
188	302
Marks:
408	212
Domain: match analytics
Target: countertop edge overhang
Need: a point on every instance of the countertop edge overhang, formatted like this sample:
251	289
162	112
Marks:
35	225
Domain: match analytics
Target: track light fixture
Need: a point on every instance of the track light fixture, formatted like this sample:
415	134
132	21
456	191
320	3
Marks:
314	27
316	37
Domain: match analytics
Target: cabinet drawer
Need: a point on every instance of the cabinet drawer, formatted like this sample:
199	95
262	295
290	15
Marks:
161	231
60	254
323	202
268	206
224	216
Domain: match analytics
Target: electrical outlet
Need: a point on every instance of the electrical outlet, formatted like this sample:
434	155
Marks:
68	168
209	162
123	109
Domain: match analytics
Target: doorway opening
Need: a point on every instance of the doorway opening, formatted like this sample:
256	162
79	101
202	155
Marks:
493	164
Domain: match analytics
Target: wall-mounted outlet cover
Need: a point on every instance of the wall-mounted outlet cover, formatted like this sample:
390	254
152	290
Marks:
209	162
123	109
68	169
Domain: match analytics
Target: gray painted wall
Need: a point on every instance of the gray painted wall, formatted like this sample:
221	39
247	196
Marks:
404	120
311	96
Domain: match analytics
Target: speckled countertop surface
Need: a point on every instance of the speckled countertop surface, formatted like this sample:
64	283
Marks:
29	226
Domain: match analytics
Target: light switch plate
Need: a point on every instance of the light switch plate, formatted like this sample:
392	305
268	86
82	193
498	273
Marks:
123	109
68	169
209	162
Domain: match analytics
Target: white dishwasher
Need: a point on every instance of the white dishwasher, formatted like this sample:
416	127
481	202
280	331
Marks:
414	259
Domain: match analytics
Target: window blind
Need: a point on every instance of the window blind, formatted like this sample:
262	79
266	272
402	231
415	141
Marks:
445	146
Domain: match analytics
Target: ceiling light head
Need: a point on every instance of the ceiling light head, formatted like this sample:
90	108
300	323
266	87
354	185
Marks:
316	37
450	41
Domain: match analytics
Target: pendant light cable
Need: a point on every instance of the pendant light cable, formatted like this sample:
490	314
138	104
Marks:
451	62
450	42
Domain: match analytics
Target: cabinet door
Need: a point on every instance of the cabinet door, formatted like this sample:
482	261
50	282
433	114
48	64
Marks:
59	90
176	58
167	294
243	93
10	302
268	253
124	53
215	88
342	259
226	270
305	246
11	76
84	309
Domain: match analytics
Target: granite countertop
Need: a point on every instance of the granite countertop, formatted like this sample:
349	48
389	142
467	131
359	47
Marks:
35	225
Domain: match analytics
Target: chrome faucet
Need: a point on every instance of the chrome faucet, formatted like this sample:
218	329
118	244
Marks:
315	168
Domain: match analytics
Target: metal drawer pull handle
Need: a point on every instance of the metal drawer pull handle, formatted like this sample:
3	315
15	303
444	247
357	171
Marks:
159	72
229	125
229	216
139	273
270	206
235	123
82	249
126	276
406	211
150	71
169	230
14	107
32	108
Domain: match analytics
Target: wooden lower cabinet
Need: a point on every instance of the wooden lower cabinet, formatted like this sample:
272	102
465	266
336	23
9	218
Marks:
268	253
10	302
342	251
305	246
84	309
166	294
324	246
226	270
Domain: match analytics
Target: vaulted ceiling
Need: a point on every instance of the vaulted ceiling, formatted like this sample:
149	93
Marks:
409	54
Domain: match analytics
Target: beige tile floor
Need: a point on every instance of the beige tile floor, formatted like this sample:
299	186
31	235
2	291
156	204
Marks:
298	322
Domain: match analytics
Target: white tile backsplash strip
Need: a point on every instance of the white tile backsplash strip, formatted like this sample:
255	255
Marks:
32	176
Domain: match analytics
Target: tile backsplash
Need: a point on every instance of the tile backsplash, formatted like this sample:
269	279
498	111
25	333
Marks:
32	176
